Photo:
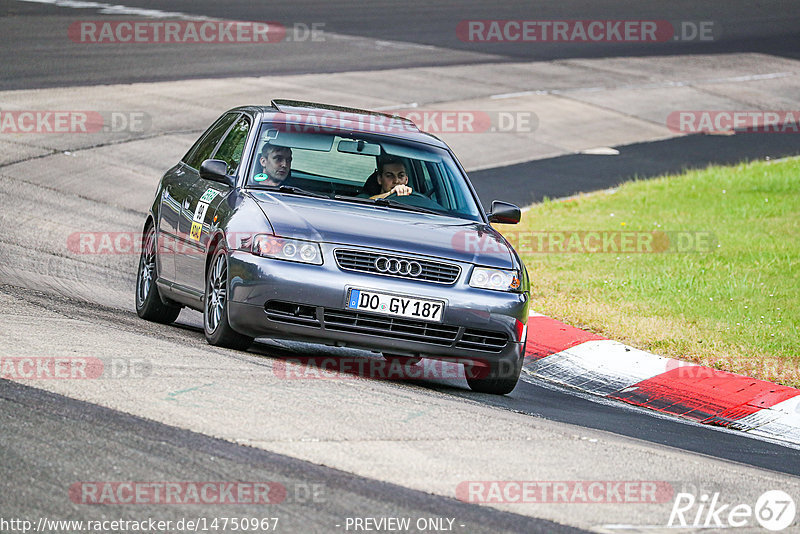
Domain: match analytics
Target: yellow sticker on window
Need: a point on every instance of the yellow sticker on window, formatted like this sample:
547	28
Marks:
197	228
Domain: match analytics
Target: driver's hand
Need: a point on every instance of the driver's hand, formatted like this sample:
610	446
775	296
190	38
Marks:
401	190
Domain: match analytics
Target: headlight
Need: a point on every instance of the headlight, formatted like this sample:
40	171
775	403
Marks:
497	279
270	246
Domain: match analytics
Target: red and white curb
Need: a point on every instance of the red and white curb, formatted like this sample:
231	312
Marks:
569	356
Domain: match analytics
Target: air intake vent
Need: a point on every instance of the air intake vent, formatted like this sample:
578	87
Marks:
484	340
390	327
287	312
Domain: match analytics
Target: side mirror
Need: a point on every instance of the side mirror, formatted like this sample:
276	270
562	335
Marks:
216	170
504	213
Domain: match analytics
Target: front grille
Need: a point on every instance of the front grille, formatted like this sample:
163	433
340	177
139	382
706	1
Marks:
287	312
484	340
385	326
364	262
391	327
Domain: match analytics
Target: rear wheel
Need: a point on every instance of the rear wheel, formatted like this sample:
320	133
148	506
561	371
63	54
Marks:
215	305
498	379
148	301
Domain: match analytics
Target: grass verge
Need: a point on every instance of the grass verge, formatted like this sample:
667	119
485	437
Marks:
701	266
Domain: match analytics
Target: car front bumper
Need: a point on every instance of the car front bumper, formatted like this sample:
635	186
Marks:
291	300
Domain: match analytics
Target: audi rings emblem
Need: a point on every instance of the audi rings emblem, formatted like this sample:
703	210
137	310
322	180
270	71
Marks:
398	266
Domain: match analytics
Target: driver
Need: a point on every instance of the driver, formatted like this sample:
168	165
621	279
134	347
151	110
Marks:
392	177
276	162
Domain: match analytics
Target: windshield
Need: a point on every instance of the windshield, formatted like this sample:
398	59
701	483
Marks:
344	166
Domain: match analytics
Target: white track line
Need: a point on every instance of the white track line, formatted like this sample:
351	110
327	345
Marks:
681	83
116	9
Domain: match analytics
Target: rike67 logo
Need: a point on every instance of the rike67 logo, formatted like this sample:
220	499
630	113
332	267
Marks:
774	510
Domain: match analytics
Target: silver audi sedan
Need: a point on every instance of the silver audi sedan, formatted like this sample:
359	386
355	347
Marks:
338	226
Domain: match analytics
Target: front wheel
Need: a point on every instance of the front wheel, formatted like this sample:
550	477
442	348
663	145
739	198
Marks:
498	379
148	301
215	306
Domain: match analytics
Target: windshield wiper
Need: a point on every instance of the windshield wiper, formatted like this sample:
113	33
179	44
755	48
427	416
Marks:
397	204
295	191
385	202
359	200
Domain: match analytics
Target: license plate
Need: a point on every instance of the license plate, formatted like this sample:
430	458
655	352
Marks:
388	304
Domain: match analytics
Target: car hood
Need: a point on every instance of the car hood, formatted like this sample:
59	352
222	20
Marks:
348	223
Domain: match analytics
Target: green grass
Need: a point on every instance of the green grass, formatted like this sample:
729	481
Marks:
732	305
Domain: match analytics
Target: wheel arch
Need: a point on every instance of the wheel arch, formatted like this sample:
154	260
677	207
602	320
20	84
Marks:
150	219
212	246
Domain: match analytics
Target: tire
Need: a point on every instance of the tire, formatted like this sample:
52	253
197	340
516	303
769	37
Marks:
215	305
149	305
498	379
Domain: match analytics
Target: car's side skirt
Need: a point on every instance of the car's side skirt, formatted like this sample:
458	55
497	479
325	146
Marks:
180	294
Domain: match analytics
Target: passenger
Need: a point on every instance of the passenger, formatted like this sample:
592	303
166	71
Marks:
276	164
392	177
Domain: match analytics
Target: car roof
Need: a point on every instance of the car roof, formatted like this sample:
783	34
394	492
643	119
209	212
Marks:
350	120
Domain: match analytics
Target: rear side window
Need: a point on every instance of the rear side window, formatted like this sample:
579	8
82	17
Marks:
205	146
230	151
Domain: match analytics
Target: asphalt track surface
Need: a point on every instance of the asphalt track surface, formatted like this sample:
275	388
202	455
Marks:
108	441
563	176
416	33
57	436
